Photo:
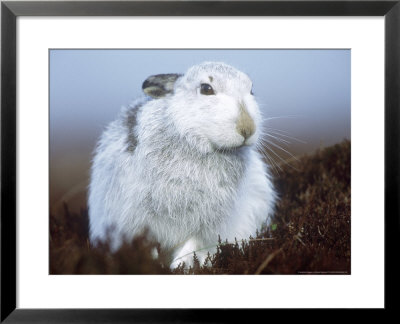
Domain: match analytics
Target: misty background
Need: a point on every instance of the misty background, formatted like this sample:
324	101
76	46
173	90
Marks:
304	95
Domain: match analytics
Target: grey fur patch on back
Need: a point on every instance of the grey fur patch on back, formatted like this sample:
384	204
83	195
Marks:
130	123
158	86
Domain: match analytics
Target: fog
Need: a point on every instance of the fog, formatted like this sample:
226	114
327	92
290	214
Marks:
303	93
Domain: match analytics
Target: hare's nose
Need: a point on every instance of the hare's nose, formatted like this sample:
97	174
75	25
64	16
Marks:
245	124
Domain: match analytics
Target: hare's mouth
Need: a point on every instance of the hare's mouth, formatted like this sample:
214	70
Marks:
232	142
232	149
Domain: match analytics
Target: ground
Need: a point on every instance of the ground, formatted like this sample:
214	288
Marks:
310	232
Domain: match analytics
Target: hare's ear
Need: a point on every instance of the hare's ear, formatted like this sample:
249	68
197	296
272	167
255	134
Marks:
160	85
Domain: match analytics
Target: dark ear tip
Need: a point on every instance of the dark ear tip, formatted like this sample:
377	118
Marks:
159	85
145	84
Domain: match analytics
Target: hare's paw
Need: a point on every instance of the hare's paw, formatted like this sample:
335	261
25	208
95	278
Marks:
186	254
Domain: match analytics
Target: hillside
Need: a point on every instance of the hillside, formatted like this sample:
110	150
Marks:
310	232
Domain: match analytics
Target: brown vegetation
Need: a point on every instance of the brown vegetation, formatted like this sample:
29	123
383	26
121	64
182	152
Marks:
310	232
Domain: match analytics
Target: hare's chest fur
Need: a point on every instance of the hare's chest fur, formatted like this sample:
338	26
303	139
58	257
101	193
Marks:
189	189
184	189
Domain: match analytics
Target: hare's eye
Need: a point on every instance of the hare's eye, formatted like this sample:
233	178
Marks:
206	89
251	92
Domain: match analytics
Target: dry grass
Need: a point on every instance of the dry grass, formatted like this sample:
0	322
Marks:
310	232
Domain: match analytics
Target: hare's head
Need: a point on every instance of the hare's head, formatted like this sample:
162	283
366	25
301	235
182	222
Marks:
211	105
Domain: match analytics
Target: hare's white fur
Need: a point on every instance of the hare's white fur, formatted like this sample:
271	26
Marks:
190	175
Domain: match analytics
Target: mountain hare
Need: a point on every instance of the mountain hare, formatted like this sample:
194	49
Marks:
183	164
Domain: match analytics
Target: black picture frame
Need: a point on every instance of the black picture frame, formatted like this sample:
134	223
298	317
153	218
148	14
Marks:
10	10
